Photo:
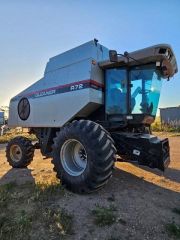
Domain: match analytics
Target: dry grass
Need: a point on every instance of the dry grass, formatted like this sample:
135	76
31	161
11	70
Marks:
24	207
7	137
58	221
158	127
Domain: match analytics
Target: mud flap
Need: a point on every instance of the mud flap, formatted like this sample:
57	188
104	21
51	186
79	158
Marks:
145	149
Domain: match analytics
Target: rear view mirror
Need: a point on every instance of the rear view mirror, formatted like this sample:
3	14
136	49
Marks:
113	56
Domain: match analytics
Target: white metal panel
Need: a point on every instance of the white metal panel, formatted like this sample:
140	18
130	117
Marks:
72	73
74	55
56	110
60	105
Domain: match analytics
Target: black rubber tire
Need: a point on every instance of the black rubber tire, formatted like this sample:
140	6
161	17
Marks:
27	152
101	156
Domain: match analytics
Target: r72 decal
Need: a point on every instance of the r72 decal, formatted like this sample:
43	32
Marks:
76	87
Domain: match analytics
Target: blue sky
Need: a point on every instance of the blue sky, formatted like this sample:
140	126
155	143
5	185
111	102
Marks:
32	31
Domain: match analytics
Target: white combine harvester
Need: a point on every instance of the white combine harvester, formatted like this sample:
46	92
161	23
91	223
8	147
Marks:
91	105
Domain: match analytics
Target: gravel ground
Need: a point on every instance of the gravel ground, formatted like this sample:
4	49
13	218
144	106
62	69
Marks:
144	199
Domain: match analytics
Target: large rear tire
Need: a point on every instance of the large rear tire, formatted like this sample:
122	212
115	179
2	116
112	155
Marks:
83	156
19	152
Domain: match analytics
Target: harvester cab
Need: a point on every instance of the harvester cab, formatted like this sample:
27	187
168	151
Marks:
133	83
132	91
92	107
139	96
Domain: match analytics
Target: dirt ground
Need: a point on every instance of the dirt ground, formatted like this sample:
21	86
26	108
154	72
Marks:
144	199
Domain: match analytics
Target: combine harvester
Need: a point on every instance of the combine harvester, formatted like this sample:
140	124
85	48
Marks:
91	105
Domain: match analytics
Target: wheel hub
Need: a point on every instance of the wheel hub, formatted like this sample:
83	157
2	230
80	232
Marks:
15	153
73	157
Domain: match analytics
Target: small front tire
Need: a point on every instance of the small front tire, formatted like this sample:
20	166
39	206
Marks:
19	152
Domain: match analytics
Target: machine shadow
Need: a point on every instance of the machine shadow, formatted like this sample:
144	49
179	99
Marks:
170	173
121	182
18	176
126	185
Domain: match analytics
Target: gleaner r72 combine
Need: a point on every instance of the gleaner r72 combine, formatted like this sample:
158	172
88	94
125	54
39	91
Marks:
92	105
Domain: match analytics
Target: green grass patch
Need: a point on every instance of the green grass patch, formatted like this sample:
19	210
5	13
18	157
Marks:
104	215
173	230
38	200
15	227
45	192
176	210
6	194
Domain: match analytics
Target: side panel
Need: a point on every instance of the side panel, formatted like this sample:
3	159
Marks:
72	86
56	110
80	53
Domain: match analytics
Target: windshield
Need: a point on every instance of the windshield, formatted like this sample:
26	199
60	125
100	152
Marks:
145	92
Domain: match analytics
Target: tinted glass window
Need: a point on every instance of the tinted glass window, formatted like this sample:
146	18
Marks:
116	91
145	91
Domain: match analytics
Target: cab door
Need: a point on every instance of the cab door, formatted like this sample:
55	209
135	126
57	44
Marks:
116	91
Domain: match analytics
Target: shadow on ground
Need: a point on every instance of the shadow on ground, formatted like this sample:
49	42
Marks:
120	181
170	173
20	176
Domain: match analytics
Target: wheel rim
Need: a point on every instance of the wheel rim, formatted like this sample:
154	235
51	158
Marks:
73	157
15	153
